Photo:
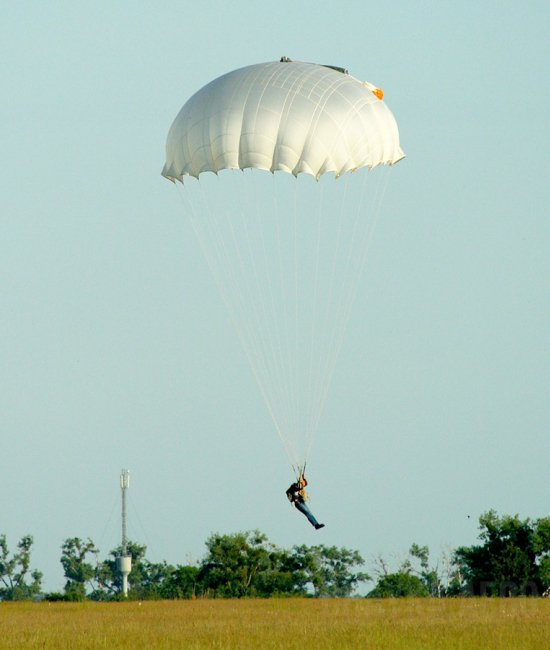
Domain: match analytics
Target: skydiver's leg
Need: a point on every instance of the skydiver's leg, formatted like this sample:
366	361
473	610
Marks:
304	509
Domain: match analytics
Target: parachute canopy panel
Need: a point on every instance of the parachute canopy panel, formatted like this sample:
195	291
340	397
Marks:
282	116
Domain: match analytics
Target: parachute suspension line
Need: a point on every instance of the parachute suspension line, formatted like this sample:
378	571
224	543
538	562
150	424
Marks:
343	256
321	313
263	299
284	338
287	272
279	299
365	239
312	419
364	223
272	373
251	271
299	470
261	354
222	270
322	375
276	377
288	268
374	210
295	352
346	256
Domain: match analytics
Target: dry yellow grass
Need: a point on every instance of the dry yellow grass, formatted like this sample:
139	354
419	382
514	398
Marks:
287	623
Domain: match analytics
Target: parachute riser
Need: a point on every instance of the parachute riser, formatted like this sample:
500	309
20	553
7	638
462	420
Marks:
299	470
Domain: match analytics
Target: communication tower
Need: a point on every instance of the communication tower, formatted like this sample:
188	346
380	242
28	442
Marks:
124	560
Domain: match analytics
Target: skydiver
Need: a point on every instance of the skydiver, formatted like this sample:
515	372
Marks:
297	496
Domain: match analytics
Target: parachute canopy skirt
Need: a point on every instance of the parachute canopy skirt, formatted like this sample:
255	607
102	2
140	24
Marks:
282	116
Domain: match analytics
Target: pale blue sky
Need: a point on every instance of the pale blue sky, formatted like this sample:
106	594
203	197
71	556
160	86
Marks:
116	350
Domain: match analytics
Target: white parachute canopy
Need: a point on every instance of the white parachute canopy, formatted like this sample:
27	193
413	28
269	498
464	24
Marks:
286	253
292	117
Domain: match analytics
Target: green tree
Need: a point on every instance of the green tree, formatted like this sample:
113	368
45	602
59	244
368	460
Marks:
79	572
15	571
247	564
147	580
181	583
514	557
144	580
431	577
399	585
244	564
541	547
283	577
154	582
414	577
328	570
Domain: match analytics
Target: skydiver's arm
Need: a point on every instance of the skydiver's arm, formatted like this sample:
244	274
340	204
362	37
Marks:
291	493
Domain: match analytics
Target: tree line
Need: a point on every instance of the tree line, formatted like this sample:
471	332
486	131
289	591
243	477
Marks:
512	559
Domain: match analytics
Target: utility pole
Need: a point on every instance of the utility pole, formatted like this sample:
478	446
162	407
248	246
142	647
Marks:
124	560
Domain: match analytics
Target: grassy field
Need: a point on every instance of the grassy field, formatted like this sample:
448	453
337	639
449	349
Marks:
287	623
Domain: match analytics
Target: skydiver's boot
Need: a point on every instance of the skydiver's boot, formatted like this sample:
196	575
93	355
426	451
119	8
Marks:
317	526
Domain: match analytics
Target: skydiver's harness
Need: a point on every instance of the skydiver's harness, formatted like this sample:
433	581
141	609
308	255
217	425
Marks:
296	492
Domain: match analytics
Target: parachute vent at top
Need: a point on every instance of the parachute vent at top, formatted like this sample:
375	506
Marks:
297	118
